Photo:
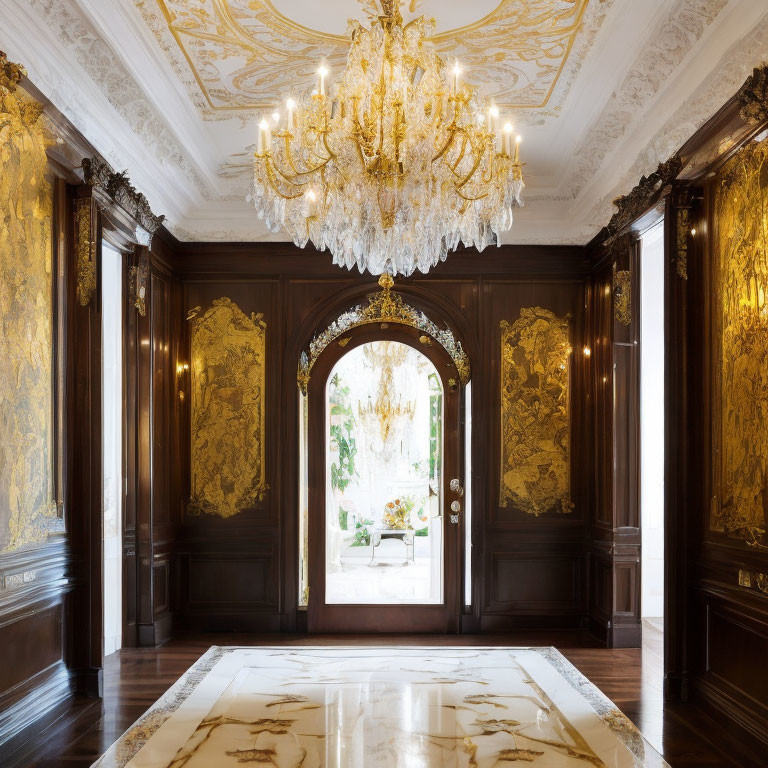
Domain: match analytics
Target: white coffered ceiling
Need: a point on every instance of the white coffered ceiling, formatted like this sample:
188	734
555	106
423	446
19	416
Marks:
601	90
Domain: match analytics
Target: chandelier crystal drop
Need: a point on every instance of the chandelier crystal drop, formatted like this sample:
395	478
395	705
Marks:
396	165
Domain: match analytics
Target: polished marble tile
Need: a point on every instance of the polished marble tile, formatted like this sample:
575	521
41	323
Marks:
402	707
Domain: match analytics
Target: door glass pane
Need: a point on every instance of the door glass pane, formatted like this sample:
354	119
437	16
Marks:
384	465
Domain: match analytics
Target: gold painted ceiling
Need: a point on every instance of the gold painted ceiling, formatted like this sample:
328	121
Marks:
250	54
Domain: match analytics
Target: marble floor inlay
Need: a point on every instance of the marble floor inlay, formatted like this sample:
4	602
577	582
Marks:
393	707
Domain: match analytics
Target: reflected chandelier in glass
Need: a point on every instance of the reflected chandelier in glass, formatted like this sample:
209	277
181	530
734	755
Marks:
395	167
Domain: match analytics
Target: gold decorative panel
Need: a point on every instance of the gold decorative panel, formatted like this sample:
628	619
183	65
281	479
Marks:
622	296
85	250
741	365
27	508
227	414
250	54
535	413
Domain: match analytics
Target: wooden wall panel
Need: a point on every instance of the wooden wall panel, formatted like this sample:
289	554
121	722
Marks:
719	649
252	556
614	530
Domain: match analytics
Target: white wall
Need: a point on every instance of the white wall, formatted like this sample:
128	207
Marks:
112	457
652	421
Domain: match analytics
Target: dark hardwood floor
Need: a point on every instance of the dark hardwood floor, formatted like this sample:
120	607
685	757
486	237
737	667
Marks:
135	678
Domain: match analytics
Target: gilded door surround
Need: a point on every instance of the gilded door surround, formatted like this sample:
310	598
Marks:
383	307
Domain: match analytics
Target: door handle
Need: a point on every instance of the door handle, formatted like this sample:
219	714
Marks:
455	519
456	487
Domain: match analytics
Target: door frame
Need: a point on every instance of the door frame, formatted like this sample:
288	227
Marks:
445	617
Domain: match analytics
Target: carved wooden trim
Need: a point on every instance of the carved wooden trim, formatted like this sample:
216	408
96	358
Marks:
622	295
99	175
753	97
682	238
138	283
648	190
11	74
85	250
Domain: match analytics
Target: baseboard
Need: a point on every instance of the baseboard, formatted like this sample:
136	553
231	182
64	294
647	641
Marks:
748	730
626	636
490	622
156	633
228	622
26	703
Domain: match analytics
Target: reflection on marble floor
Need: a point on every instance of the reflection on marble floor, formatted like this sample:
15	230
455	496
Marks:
393	707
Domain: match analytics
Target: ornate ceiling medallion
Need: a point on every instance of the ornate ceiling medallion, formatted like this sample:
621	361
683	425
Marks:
242	54
383	307
397	165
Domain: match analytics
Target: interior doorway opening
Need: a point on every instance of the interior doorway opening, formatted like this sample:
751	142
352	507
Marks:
652	424
652	437
112	446
384	477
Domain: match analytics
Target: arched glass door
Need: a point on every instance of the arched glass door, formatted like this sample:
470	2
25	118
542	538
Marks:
384	519
384	471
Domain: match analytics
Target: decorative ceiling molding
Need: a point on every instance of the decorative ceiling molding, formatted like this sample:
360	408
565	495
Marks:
666	49
245	55
725	80
77	34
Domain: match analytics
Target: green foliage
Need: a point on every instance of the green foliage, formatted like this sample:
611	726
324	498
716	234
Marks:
342	471
362	534
343	518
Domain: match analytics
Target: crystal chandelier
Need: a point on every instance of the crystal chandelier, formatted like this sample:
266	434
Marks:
385	419
394	166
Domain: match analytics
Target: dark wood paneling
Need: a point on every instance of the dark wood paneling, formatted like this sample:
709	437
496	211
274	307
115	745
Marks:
246	580
34	583
717	627
529	581
299	293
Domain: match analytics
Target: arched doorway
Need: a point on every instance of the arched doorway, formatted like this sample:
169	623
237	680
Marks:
385	521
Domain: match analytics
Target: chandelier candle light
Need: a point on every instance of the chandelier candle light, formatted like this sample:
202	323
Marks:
394	167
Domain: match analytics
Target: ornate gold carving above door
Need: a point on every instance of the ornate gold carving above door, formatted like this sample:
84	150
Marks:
27	507
227	350
535	413
739	369
383	307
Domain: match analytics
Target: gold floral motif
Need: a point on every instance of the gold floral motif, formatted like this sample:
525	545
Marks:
622	295
138	283
244	54
753	97
683	226
535	413
741	374
27	507
85	250
228	348
383	307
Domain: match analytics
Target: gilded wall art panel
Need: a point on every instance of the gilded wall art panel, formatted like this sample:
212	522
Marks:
249	54
227	349
740	508
535	413
27	508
